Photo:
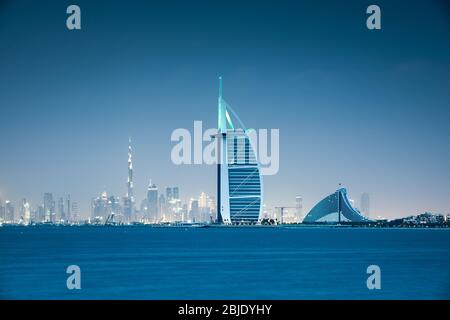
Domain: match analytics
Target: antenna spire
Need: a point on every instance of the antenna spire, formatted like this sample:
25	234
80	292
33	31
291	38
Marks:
220	86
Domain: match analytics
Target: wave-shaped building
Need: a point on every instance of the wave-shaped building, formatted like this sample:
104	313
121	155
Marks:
336	207
239	180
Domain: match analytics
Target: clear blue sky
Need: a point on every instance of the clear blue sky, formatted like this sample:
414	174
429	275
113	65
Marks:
366	108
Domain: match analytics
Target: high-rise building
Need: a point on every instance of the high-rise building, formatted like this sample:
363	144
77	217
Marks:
94	208
176	210
40	213
61	212
2	212
152	202
9	212
128	211
176	193
365	204
194	211
173	208
110	204
212	208
144	209
25	212
68	209
22	208
265	212
185	213
162	208
206	208
49	207
130	185
203	200
33	215
168	193
74	211
299	208
128	200
99	207
239	182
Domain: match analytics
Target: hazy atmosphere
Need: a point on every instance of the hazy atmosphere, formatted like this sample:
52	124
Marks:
366	109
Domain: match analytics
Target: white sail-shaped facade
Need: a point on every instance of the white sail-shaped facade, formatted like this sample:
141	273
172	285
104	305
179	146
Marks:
239	181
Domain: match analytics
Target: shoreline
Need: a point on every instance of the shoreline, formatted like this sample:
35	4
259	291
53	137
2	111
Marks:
203	226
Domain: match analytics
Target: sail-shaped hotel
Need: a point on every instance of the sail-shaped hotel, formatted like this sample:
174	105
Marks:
239	180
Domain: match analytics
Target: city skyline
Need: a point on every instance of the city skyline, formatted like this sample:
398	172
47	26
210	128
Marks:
361	108
49	210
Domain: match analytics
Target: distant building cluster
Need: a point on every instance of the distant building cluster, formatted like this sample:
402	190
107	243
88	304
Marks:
63	210
157	207
424	219
163	206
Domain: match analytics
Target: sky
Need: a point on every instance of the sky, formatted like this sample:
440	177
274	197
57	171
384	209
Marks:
365	108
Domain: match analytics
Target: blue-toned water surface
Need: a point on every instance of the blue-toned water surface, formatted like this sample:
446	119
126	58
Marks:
140	262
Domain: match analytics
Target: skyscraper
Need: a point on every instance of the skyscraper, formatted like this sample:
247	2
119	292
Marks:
128	200
176	209
168	193
152	202
100	207
2	212
130	172
40	213
185	213
203	200
239	182
61	212
49	207
194	211
9	211
212	208
162	207
68	209
25	212
365	204
176	193
299	208
173	208
22	208
110	206
74	211
203	204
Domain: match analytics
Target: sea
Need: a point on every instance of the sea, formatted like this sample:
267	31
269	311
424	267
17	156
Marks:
143	262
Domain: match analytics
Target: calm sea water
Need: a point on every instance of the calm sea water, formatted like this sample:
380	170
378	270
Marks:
223	263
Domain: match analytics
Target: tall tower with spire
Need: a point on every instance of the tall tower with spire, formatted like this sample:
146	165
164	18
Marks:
128	200
130	172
